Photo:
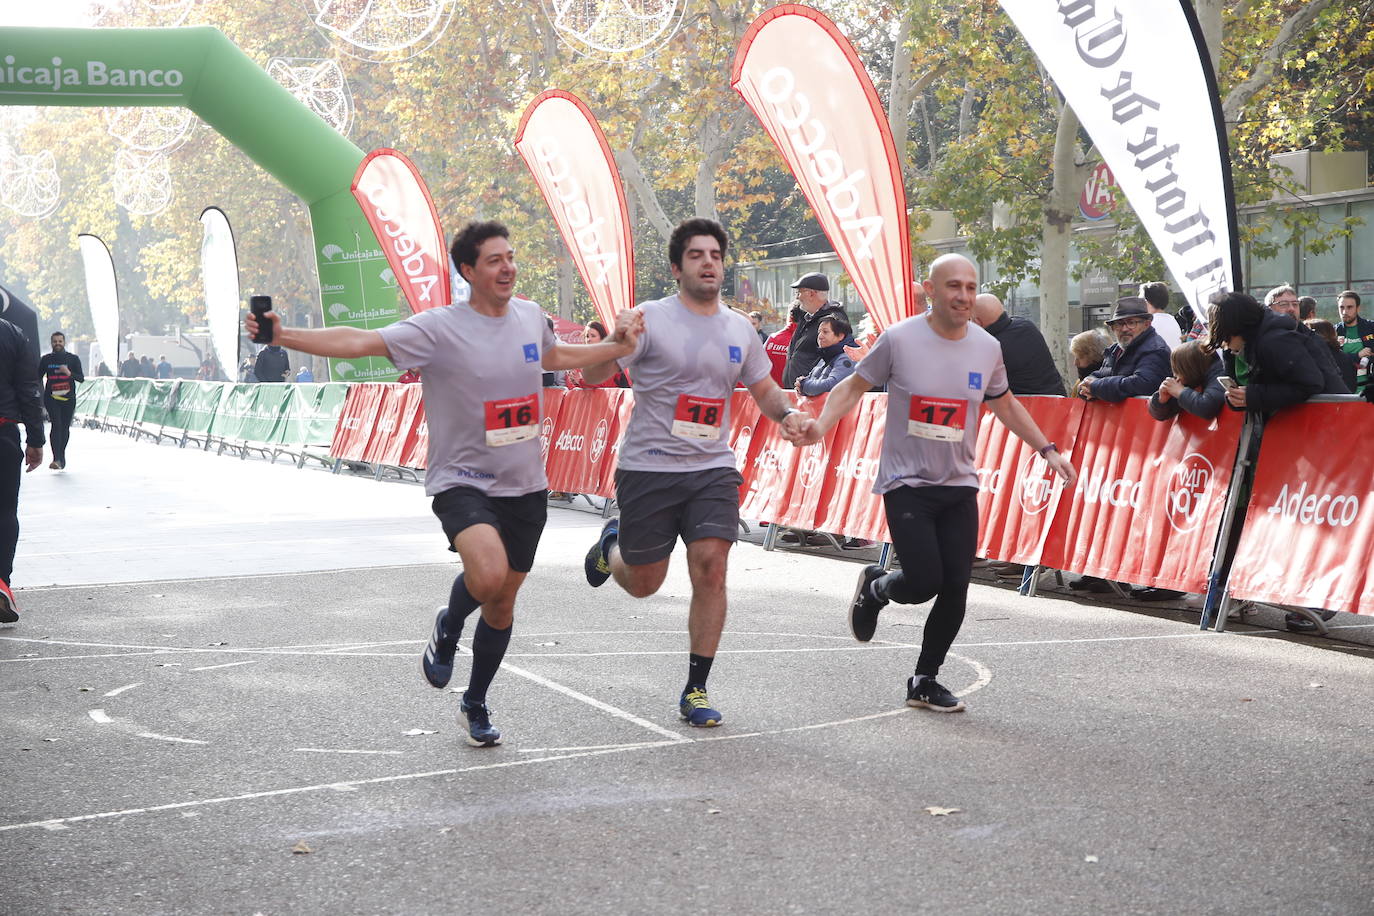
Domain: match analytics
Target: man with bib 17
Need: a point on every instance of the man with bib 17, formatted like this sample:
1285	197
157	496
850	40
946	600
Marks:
480	367
940	370
676	476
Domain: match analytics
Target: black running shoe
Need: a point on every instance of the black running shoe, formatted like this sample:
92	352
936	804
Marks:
597	564
928	693
863	610
437	662
480	731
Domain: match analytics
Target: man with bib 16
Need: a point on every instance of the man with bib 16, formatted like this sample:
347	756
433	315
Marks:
676	476
480	367
940	369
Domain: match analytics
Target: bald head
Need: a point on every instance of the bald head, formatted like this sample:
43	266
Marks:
987	308
947	262
918	297
952	284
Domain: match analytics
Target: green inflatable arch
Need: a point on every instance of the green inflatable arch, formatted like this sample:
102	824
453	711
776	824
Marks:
200	69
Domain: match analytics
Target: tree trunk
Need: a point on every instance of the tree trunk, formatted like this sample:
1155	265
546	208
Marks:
567	277
1209	17
1054	246
638	182
899	90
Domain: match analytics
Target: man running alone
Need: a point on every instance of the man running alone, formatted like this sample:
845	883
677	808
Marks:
480	366
61	372
940	370
676	476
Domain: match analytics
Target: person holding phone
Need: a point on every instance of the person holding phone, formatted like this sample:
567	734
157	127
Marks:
480	364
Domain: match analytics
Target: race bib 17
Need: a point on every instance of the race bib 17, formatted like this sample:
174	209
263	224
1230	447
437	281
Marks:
941	419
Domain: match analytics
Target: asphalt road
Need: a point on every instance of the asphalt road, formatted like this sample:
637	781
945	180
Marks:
217	670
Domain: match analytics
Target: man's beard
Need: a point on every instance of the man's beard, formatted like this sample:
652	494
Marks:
701	289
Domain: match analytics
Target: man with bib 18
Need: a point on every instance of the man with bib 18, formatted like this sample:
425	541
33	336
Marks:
481	366
677	474
940	370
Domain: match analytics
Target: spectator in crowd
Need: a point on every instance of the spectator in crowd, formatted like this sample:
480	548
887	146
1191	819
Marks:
814	304
1133	366
1088	350
272	364
1193	387
1284	301
1156	296
776	347
1345	362
246	369
103	370
757	319
593	333
1307	308
1356	335
1030	367
146	369
832	335
1274	366
164	368
304	375
130	367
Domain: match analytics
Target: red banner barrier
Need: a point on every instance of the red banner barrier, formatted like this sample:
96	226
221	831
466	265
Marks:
622	422
1018	494
852	508
410	414
1149	496
356	421
1309	530
582	439
769	467
387	434
745	417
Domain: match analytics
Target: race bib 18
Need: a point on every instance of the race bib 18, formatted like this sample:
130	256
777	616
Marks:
698	418
512	420
941	419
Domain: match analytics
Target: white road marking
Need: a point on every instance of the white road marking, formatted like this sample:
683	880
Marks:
225	665
62	658
99	716
333	750
589	747
127	687
175	740
595	703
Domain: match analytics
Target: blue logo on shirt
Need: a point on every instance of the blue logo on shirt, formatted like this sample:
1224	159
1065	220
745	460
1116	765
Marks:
975	380
736	355
531	353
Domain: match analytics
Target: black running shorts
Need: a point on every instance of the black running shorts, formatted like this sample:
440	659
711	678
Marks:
658	507
518	519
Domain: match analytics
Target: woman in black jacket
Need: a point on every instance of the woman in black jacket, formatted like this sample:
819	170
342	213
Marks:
1267	355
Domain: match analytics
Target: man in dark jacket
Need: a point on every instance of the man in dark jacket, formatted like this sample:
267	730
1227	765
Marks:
1138	361
812	305
61	372
1030	367
18	404
272	364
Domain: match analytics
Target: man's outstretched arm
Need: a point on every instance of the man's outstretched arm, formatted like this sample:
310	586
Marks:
337	343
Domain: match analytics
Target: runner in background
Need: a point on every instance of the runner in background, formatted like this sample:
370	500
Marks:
677	477
940	370
480	365
61	372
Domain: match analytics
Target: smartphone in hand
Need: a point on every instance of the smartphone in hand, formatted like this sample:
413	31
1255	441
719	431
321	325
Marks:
1227	382
260	306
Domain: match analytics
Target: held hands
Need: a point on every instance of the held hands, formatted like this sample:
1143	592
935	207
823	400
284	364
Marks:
629	324
1169	388
801	429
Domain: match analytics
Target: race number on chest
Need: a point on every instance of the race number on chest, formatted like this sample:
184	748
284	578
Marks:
512	420
941	419
697	417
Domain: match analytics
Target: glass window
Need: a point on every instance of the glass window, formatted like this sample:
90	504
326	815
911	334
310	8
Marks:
1329	266
1276	270
1362	242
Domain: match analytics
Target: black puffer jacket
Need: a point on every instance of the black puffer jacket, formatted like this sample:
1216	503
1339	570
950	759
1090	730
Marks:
1285	365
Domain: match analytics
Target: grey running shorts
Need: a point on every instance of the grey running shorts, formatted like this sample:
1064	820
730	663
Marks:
518	519
658	507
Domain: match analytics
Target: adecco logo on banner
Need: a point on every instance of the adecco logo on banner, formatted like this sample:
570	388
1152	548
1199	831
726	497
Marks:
809	473
1188	493
1118	491
857	468
586	229
1035	484
570	442
1311	509
599	437
746	436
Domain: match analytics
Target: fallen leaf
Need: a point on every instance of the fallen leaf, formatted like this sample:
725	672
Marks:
713	811
52	739
937	811
301	849
1092	859
84	689
1246	700
414	732
1314	686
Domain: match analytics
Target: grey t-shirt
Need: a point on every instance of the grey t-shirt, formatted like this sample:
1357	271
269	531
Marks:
683	372
481	378
935	391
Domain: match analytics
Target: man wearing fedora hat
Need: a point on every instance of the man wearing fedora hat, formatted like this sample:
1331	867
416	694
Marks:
813	304
1138	361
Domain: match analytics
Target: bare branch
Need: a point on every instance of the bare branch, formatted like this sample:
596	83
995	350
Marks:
639	185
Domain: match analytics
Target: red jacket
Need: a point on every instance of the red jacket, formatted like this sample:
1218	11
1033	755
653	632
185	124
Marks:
776	348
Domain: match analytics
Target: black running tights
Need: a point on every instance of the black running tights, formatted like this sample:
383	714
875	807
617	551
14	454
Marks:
935	533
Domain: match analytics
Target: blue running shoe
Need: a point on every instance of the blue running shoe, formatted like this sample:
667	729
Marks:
437	662
480	731
695	707
597	565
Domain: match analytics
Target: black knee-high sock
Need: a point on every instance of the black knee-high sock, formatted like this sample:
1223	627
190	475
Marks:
460	605
488	648
698	670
